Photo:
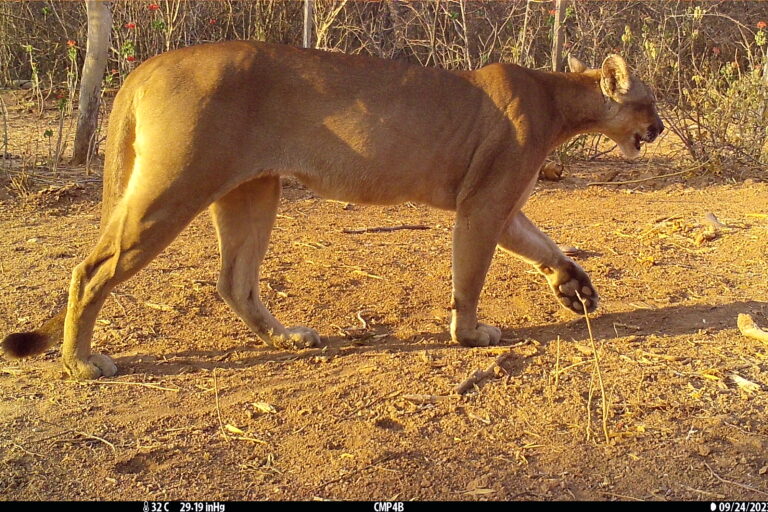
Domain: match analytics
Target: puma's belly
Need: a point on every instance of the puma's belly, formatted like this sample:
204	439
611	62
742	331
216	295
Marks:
377	189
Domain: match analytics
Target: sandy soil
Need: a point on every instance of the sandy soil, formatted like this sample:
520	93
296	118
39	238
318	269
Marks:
201	410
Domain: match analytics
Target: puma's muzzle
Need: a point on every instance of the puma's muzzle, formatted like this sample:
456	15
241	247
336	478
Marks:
654	131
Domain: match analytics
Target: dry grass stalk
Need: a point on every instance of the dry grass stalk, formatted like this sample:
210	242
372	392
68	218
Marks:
597	369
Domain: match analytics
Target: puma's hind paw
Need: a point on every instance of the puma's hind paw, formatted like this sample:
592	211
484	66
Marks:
97	365
297	338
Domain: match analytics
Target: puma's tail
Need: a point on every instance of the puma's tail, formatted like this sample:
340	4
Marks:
118	163
25	344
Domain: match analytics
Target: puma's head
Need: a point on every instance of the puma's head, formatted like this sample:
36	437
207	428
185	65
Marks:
630	106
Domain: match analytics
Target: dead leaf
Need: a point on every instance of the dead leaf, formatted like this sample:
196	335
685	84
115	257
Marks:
745	385
264	408
483	491
233	429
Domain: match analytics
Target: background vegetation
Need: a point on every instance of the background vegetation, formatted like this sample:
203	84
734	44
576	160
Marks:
705	60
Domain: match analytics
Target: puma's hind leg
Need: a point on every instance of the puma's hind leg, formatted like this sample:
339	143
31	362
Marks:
243	220
143	223
523	239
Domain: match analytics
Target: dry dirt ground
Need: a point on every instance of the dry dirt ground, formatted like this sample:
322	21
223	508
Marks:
201	410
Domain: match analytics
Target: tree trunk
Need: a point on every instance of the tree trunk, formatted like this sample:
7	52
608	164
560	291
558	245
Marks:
558	35
99	34
309	15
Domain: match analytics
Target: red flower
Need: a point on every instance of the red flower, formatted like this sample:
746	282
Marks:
212	21
716	50
552	12
762	24
130	25
153	7
130	58
71	43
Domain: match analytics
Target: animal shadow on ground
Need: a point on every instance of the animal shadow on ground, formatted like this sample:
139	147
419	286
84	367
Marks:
668	321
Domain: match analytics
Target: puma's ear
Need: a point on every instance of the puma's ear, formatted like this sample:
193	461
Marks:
615	80
575	65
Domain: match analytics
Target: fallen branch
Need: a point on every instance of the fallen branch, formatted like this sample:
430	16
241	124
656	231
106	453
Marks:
749	328
640	180
383	229
126	383
480	375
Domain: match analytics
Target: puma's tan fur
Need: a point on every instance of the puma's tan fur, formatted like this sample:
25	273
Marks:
216	125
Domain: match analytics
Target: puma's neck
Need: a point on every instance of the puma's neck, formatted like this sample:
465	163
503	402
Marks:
578	100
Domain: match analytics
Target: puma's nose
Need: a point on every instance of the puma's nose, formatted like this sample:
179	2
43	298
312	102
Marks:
654	131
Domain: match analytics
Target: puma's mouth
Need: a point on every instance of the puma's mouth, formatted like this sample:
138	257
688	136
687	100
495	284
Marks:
638	139
630	147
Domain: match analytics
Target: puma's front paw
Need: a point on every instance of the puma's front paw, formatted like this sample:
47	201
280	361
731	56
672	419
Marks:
297	338
482	336
97	365
565	281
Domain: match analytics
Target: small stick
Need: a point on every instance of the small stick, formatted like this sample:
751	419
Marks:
731	482
354	472
372	402
17	445
749	328
713	494
128	383
218	407
251	439
480	375
383	229
557	363
629	182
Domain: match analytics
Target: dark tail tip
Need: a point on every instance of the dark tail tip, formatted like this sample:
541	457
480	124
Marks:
25	344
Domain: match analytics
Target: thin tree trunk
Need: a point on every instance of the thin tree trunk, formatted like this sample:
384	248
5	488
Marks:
99	34
558	36
309	15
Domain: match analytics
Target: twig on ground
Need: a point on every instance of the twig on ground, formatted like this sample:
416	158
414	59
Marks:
480	375
97	438
731	482
640	180
383	229
218	407
372	402
749	328
81	433
17	445
127	383
429	399
355	471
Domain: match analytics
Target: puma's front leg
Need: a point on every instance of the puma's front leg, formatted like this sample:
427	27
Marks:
474	239
521	238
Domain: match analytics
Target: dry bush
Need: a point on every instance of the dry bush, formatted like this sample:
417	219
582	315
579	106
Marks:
703	58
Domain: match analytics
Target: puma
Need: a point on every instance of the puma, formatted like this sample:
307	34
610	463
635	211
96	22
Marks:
215	126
